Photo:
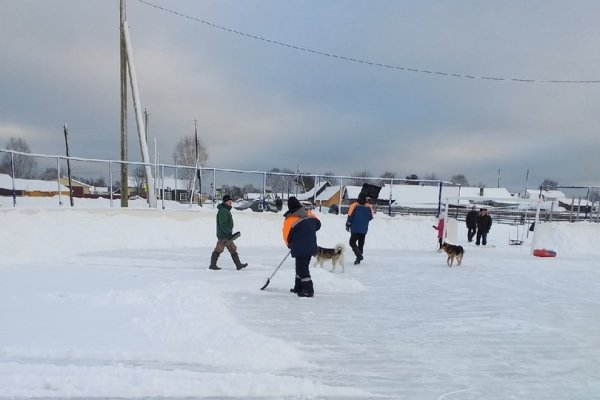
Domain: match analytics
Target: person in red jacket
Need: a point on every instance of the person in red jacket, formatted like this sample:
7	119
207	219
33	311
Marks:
300	228
440	231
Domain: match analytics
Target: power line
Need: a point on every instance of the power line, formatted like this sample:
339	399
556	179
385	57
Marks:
357	60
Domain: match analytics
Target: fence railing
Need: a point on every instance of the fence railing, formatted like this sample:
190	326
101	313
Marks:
204	185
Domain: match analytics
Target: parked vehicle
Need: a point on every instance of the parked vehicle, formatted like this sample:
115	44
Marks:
258	206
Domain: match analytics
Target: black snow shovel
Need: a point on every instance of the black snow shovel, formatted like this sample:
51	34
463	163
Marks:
276	269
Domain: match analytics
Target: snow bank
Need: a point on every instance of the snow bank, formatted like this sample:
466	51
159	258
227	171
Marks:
59	234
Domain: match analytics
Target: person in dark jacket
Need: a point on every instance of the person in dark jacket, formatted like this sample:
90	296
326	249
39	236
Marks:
224	235
360	214
471	222
484	224
300	228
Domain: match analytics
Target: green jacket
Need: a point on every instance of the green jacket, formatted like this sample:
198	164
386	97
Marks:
224	222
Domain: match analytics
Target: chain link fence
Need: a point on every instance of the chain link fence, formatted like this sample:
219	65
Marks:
26	175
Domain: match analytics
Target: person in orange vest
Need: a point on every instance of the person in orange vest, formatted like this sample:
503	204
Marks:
360	214
300	228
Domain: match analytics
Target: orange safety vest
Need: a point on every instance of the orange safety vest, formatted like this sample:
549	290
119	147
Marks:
291	221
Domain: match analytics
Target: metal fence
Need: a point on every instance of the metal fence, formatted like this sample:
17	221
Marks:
204	186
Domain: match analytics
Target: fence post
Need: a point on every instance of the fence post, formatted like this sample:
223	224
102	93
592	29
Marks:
58	173
214	191
390	201
12	168
110	182
162	181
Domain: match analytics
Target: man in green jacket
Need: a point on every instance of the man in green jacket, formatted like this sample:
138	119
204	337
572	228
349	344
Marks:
224	235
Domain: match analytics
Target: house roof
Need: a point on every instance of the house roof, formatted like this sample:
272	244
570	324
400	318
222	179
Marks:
328	193
31	185
309	195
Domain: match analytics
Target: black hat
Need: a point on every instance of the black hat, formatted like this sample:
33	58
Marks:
293	204
362	198
226	198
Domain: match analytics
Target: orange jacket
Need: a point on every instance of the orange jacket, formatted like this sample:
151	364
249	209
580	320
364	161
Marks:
291	221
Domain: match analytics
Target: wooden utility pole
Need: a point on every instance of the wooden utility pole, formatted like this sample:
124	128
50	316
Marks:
124	174
68	167
197	158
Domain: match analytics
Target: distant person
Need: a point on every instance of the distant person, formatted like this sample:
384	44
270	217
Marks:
224	235
334	209
360	214
300	228
484	224
278	203
471	222
440	231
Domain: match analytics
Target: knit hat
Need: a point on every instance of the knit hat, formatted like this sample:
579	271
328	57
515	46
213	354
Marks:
293	204
362	198
226	198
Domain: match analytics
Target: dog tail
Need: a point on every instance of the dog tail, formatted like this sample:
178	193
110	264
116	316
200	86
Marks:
339	248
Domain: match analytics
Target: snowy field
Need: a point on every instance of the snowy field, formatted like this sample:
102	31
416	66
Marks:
109	303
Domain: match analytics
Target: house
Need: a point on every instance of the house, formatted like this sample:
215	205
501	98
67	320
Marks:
330	196
78	188
31	187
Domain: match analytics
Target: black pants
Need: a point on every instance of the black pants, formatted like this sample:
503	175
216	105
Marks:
357	242
471	233
481	237
303	281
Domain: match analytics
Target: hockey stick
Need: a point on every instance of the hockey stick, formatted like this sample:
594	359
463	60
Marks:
232	238
276	269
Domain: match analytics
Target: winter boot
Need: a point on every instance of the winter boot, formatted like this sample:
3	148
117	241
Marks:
358	255
297	285
306	288
213	260
236	260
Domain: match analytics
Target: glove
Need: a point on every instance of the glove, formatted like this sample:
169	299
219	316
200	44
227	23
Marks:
347	228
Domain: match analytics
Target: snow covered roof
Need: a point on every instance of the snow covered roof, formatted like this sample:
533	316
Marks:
547	195
30	185
309	195
328	193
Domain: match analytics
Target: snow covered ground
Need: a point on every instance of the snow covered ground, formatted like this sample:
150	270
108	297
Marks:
110	303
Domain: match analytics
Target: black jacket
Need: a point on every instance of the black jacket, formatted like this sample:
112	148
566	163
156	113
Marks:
484	223
472	219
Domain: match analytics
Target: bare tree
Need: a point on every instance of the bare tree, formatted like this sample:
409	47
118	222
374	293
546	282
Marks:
331	178
549	184
431	177
360	177
139	179
49	174
413	179
459	179
388	175
185	154
24	165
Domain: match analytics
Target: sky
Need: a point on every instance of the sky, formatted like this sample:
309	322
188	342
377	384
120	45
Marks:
90	311
261	105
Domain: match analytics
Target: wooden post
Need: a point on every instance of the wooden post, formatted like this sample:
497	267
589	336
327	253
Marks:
68	167
124	174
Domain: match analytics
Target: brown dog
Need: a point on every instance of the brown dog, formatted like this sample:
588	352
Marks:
453	252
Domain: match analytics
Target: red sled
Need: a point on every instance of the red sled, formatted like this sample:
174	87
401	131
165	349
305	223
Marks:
544	253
